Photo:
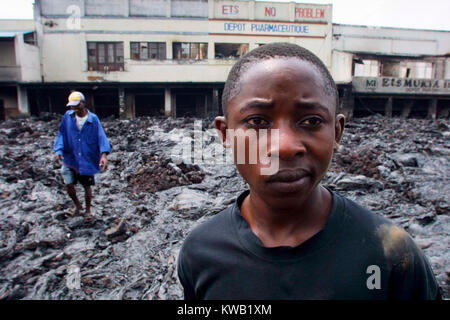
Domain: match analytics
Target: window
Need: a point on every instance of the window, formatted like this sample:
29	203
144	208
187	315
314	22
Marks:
187	50
148	50
30	38
390	69
368	68
230	50
105	56
418	69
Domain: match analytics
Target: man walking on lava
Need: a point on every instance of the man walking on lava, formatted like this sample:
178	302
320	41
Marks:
81	148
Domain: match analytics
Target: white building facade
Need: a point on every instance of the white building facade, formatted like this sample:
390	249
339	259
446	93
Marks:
160	57
396	72
19	64
172	57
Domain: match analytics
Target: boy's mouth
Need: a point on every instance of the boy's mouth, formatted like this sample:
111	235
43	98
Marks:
289	175
288	181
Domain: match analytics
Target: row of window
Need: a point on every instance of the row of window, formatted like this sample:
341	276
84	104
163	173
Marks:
109	56
399	69
105	56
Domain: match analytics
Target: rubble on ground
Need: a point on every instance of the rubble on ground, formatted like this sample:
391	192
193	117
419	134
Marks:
147	202
160	173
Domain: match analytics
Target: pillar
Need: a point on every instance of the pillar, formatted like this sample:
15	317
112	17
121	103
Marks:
2	111
91	102
130	111
169	50
122	105
407	106
211	50
251	10
215	103
22	100
432	109
388	108
443	111
292	11
169	9
168	110
347	103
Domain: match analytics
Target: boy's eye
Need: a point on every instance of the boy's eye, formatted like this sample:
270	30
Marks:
312	122
257	122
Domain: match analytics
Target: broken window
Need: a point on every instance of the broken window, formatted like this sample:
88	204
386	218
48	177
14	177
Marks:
416	69
30	38
419	69
190	50
148	50
105	56
230	50
157	50
368	68
390	69
119	58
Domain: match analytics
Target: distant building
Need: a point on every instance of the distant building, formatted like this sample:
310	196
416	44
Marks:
171	57
161	57
19	65
396	72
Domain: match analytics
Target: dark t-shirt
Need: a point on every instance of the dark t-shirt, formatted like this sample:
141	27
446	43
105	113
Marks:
357	255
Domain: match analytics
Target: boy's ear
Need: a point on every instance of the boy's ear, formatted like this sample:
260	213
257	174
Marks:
338	130
222	126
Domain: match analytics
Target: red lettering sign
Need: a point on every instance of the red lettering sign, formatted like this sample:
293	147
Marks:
229	9
270	12
320	13
310	13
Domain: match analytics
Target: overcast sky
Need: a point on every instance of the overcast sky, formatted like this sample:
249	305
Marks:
418	14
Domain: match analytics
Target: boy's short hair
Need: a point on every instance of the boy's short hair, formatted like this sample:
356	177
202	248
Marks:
275	50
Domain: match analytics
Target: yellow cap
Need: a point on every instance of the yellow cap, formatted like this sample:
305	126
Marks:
75	98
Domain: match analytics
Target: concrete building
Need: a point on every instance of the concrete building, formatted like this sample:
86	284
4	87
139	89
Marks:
395	72
19	64
171	57
160	57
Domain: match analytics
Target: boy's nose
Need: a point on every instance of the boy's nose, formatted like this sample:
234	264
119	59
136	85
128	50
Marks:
289	144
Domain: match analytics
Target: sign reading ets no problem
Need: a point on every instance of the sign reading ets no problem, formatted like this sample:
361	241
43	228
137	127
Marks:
278	19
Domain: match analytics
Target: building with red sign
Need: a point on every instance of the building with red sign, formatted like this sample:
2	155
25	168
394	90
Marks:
171	57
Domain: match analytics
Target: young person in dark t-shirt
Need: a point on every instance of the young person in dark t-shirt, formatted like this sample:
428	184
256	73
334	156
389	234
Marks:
288	237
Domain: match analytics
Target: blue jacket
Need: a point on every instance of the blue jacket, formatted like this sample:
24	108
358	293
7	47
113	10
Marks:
83	149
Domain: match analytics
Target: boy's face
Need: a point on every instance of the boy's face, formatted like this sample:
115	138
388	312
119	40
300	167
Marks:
285	94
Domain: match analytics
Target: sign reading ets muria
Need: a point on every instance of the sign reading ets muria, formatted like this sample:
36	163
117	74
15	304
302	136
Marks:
401	85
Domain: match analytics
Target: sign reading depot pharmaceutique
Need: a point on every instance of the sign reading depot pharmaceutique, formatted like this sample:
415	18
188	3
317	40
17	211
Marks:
270	19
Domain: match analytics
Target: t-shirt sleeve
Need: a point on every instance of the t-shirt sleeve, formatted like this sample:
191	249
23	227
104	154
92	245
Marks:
412	277
184	276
